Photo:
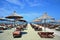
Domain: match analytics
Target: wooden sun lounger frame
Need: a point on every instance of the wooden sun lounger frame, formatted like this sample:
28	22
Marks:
46	34
17	34
36	28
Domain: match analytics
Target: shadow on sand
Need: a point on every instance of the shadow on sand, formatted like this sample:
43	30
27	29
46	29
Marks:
23	33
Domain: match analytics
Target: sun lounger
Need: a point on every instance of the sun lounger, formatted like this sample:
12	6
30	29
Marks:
36	27
46	34
25	25
32	25
53	26
1	28
18	29
17	34
57	28
39	29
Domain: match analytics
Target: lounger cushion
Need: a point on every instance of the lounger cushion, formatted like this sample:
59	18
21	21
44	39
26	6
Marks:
16	32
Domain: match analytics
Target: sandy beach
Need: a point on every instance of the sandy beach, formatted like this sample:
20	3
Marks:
30	34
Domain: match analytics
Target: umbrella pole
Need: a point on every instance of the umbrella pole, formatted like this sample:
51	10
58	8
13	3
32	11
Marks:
45	25
14	22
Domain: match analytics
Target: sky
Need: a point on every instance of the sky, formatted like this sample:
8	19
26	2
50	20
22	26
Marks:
30	9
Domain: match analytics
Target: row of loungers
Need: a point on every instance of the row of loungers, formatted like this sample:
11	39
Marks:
58	28
17	32
50	26
36	27
44	34
4	27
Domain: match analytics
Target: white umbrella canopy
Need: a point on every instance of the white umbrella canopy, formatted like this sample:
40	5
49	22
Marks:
4	19
37	20
45	17
52	21
14	15
22	20
58	20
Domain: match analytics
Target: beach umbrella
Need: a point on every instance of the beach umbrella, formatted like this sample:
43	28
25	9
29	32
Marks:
22	20
45	17
3	19
37	20
58	21
14	16
52	21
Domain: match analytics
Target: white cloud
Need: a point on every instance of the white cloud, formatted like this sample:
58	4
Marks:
14	1
33	3
38	3
17	2
22	4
